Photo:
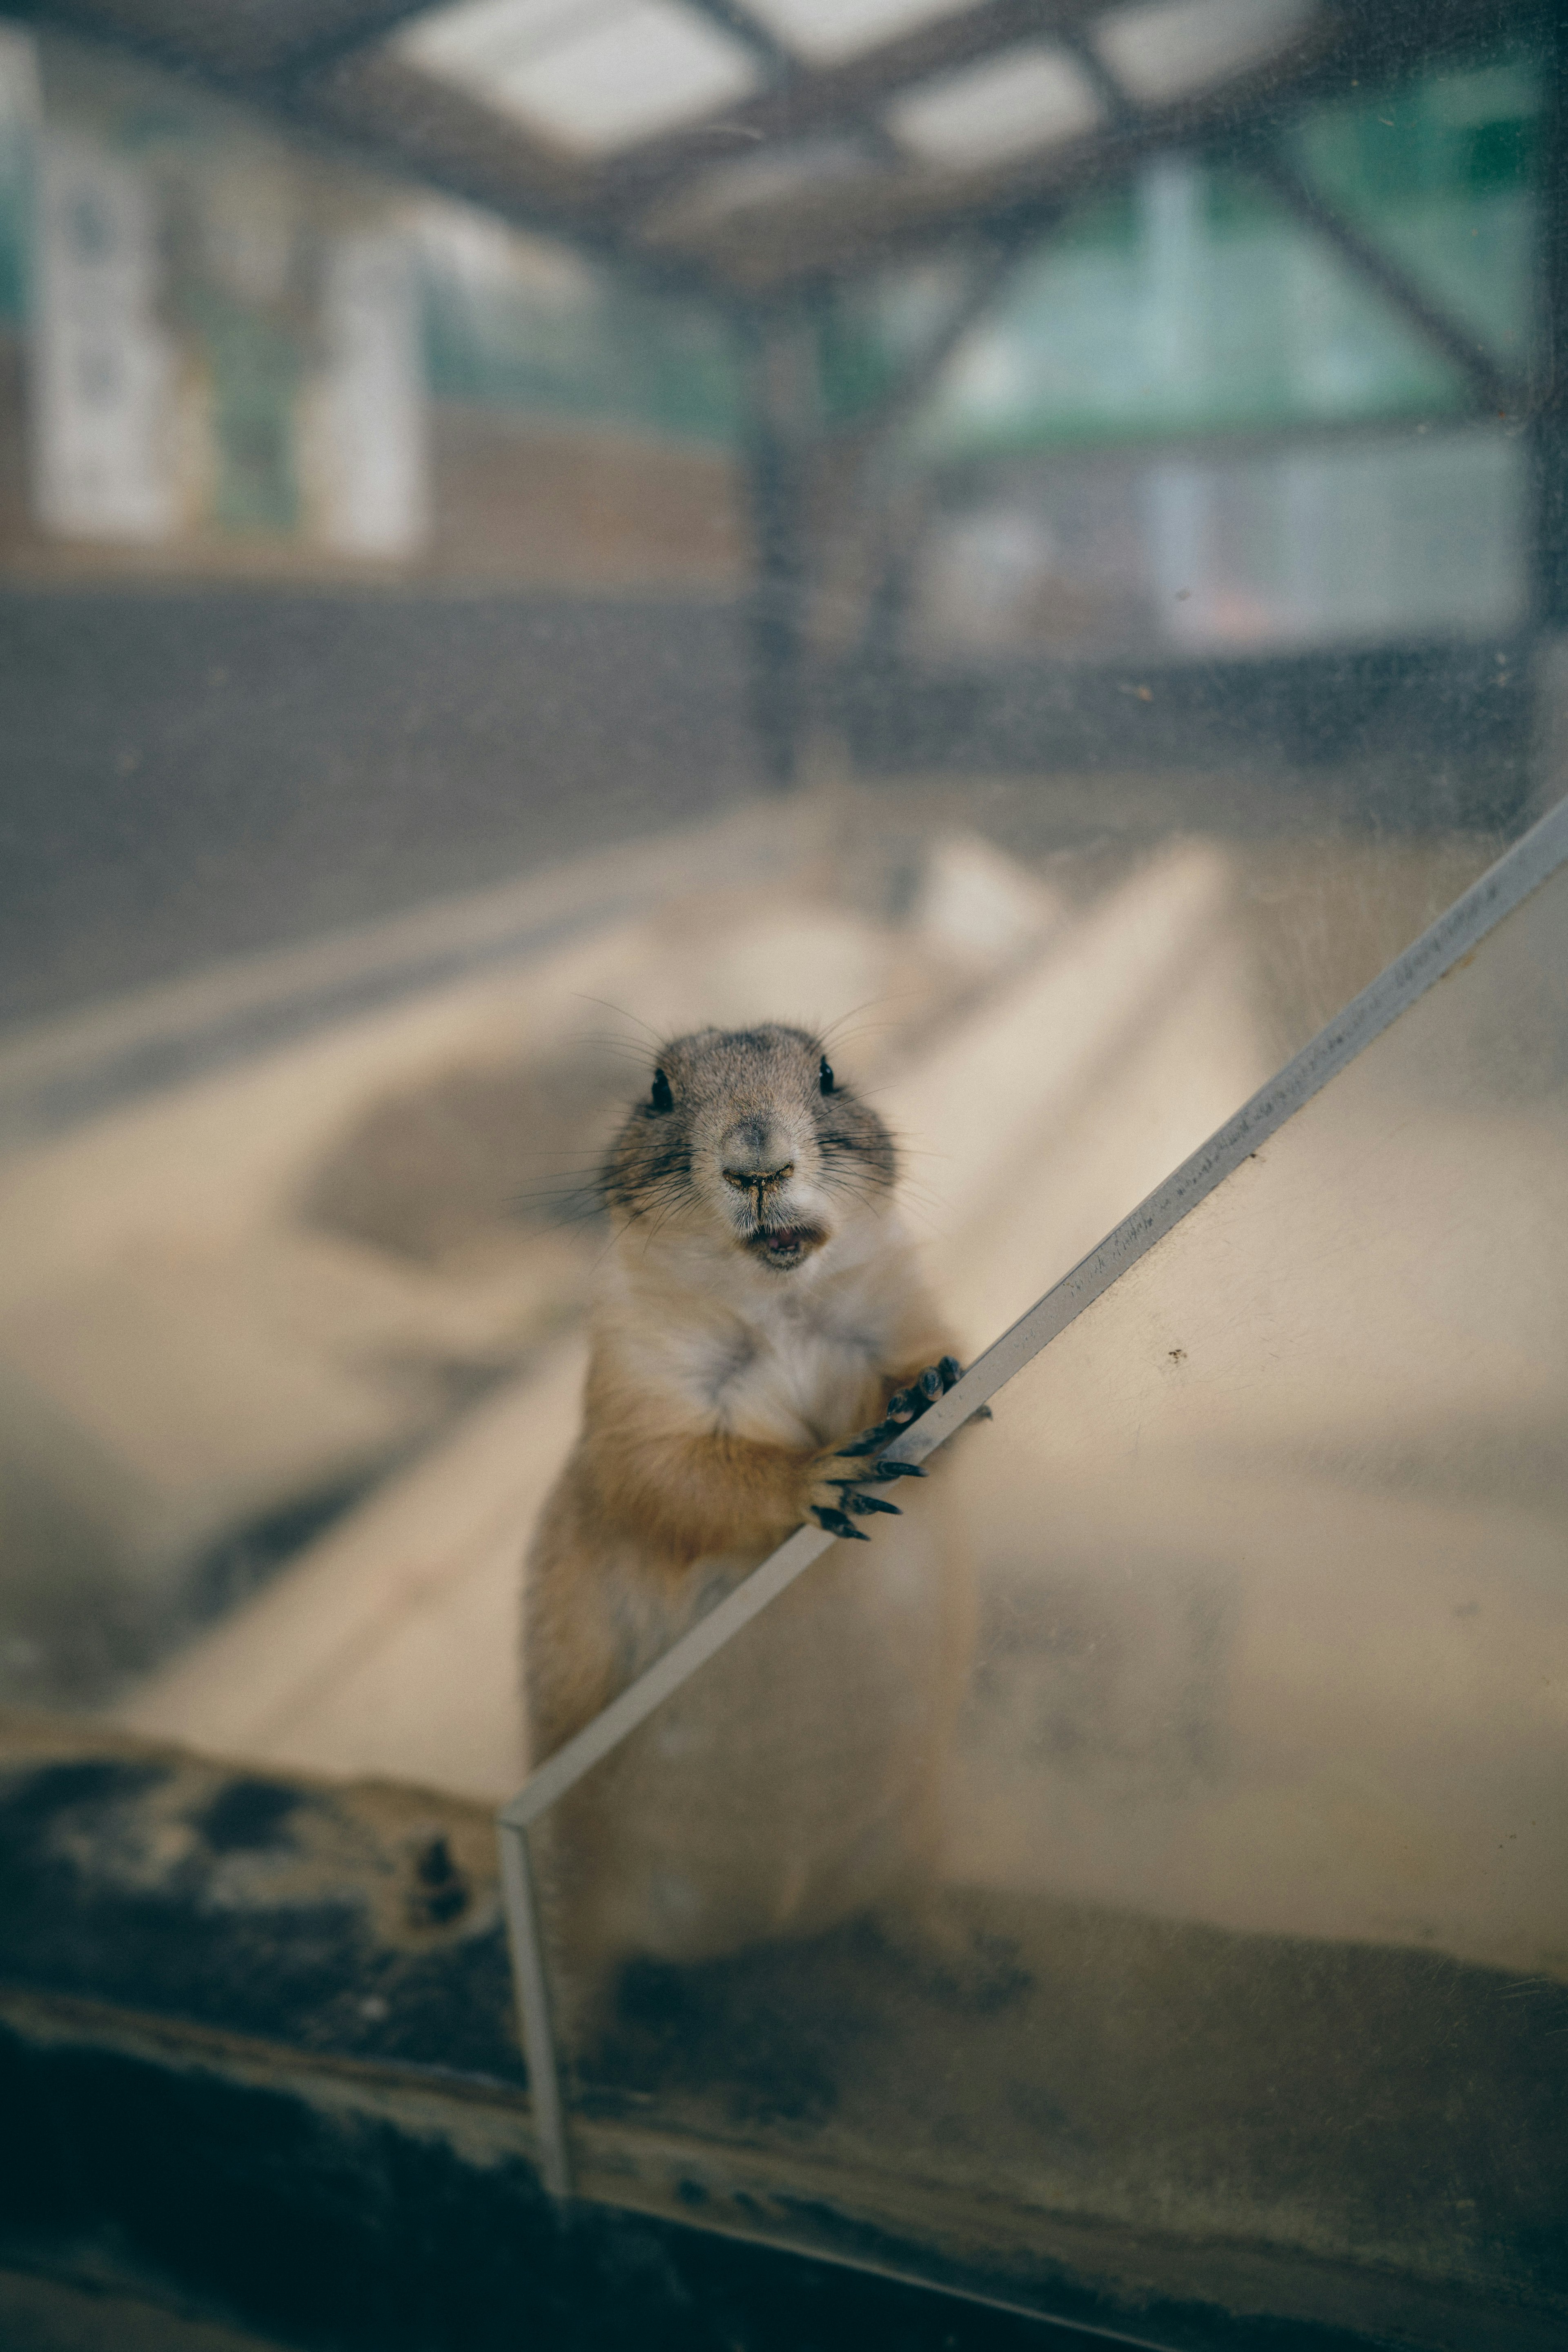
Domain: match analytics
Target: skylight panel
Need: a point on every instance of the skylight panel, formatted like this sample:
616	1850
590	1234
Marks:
1167	50
592	76
1030	98
471	43
824	31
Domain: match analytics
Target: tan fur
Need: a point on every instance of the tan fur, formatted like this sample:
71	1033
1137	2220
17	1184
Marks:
759	1306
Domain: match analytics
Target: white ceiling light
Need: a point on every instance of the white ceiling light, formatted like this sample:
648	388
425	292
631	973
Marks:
827	31
592	73
1167	50
1031	97
481	40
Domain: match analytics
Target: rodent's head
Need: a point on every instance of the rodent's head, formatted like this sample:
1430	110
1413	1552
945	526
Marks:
746	1136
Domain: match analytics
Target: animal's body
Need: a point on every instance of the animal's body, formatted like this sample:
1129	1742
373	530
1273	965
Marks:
759	1308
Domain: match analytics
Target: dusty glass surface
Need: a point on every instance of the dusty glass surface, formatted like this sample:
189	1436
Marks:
527	522
1224	1903
1037	539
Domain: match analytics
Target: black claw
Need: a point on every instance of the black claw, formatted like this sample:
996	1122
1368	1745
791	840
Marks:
899	1470
982	1413
863	1502
904	1406
951	1371
931	1383
867	1442
835	1524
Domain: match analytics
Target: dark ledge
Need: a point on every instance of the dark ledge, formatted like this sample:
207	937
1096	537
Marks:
355	1923
257	2058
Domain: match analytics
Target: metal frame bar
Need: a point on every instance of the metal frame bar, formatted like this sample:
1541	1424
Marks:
823	242
1548	422
792	461
778	375
990	264
1492	387
531	1982
318	86
1505	885
809	100
856	452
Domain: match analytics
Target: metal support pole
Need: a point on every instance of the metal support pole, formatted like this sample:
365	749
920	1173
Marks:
1549	420
794	465
1549	430
779	401
866	569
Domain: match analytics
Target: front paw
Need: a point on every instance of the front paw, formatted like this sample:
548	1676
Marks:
903	1407
842	1493
839	1493
837	1503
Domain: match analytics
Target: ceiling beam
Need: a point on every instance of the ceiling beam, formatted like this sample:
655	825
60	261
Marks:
835	232
371	110
406	122
809	100
1491	385
343	84
367	28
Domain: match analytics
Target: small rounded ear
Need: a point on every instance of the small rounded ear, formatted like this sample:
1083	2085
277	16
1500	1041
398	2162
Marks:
661	1099
824	1075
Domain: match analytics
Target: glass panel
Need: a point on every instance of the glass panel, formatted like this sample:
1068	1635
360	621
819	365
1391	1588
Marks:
531	522
1028	98
1156	1837
1162	52
481	39
596	77
828	30
409	621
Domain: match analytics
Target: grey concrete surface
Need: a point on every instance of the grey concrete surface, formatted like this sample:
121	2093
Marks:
192	774
201	773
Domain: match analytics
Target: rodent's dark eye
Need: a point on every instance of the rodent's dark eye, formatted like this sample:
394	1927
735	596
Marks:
661	1098
824	1075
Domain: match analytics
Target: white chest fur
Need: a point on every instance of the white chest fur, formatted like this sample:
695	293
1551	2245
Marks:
790	1381
779	1359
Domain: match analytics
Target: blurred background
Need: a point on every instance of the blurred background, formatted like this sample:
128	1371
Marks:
1031	535
1030	529
438	441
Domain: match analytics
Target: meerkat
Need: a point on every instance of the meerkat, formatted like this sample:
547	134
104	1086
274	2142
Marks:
760	1334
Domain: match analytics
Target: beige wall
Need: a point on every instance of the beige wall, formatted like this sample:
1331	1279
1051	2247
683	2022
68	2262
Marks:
515	501
519	499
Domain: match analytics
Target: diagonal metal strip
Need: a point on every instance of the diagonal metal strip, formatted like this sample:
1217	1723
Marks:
1505	885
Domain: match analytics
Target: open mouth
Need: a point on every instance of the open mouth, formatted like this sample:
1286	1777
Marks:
784	1245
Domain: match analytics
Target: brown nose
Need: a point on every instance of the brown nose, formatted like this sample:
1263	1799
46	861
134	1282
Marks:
758	1179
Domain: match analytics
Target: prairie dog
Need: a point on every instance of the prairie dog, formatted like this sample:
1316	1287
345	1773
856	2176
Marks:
759	1308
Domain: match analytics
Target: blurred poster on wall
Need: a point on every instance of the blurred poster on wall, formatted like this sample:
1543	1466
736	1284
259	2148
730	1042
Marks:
227	356
372	454
104	368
